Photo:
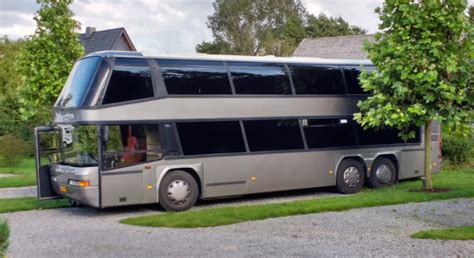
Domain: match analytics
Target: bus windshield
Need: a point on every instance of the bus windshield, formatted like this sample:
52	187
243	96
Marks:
78	83
80	145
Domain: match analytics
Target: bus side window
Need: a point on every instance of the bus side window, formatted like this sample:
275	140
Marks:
185	77
272	135
131	144
211	137
317	79
259	78
329	132
352	81
130	80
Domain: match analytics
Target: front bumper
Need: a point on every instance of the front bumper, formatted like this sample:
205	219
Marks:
83	195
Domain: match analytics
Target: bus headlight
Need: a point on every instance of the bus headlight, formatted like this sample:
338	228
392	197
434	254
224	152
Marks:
80	183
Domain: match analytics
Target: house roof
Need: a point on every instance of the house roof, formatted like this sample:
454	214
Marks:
105	40
345	47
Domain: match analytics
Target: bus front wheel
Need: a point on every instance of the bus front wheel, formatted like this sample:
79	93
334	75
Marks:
178	191
350	176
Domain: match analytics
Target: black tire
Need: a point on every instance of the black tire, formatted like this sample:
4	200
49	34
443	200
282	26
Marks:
187	192
382	174
355	176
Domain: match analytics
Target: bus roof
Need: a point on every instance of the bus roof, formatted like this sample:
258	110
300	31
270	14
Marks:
238	58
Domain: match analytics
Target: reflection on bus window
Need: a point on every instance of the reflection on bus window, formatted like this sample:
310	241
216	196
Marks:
131	144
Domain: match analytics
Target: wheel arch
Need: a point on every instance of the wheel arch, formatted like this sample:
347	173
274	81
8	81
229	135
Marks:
195	170
356	157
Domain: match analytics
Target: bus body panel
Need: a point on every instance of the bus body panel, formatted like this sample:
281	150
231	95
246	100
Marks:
202	108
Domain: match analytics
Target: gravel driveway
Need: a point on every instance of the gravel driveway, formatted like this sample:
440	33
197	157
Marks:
360	232
16	192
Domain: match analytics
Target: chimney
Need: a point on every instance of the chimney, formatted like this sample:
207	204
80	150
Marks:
89	32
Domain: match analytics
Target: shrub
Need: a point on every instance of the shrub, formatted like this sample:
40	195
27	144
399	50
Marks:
457	150
12	150
4	233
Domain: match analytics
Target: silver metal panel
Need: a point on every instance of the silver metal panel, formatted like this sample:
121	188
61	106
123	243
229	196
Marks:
233	175
84	195
122	189
150	189
63	173
181	108
411	164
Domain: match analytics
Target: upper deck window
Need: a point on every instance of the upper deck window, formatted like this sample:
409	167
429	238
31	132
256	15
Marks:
195	77
130	80
259	78
78	83
317	79
352	81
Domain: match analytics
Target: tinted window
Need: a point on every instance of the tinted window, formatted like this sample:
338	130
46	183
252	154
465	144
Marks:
266	135
323	133
259	78
352	81
195	77
130	80
210	137
317	80
383	136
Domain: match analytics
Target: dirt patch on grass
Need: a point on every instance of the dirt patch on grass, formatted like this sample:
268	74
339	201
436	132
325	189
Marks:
7	175
434	190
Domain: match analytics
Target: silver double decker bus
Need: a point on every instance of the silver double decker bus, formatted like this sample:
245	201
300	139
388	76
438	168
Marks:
130	129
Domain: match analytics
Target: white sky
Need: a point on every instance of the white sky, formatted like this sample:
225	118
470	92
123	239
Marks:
166	26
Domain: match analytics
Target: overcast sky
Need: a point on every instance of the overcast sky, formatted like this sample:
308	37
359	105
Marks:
166	26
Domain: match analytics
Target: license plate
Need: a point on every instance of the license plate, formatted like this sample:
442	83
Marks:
63	189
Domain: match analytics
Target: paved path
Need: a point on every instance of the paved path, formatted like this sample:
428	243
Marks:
379	231
16	192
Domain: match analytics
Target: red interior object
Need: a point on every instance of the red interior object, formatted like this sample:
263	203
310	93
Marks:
132	142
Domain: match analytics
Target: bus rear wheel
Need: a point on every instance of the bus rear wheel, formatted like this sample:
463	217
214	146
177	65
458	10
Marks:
178	191
383	173
350	176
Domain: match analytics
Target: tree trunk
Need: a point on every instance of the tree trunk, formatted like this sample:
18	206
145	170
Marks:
428	179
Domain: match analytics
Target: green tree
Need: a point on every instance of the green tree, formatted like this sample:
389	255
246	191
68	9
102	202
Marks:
324	26
471	13
267	27
250	27
424	59
10	82
47	58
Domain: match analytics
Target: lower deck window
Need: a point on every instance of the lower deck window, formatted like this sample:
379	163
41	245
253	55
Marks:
268	135
131	144
323	133
210	137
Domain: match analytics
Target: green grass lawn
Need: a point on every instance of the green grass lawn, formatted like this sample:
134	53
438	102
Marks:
25	174
459	181
30	203
4	233
461	233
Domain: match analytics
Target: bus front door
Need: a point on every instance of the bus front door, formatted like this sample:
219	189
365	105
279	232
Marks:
48	150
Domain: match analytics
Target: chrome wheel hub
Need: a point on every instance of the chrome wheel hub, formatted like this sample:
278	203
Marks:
383	173
351	176
178	191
